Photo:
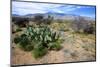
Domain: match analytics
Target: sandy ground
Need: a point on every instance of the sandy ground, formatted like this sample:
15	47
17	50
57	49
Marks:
74	48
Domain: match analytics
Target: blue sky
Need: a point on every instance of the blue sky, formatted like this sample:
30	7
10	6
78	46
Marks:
24	8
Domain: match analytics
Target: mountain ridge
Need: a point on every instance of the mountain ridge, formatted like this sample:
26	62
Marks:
55	16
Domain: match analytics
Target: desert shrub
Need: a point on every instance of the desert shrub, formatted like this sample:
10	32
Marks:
21	22
54	46
28	48
90	29
42	34
81	25
60	25
39	51
40	19
16	40
24	42
14	19
48	20
18	29
14	28
62	29
39	39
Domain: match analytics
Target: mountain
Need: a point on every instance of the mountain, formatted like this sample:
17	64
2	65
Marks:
63	16
54	13
15	15
56	16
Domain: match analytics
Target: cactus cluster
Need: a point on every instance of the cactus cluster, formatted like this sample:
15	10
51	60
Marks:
39	39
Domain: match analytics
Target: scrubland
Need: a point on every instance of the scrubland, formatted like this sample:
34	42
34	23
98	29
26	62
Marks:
52	41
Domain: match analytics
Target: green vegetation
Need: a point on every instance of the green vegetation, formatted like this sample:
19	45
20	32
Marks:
17	40
18	30
39	51
39	39
24	42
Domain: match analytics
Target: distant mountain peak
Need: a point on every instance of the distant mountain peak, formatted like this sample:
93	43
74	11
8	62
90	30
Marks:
15	15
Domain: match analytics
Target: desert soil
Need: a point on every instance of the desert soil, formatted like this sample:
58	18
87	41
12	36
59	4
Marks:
75	48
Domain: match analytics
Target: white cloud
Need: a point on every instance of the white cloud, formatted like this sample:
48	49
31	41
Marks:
65	8
24	7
